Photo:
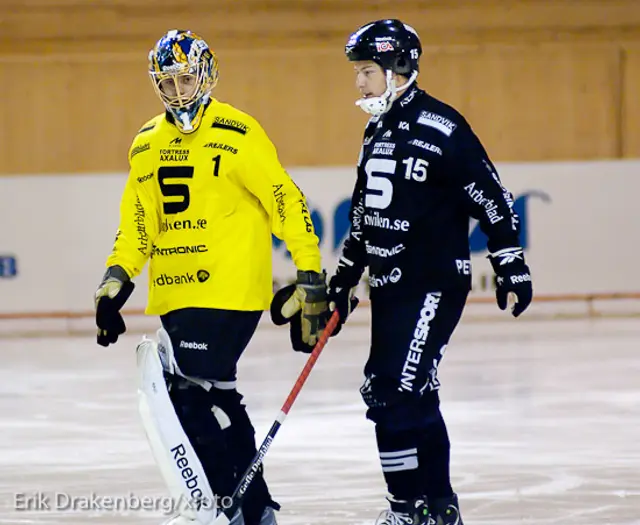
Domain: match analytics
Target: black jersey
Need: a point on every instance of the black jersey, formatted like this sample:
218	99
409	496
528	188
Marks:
422	175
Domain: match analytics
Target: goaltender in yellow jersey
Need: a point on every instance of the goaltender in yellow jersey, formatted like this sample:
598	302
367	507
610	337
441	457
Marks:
205	193
202	206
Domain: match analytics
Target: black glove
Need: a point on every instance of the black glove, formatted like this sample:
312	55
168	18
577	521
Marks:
113	292
512	276
304	305
341	298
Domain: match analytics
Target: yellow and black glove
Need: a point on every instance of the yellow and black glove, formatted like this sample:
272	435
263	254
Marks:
113	292
304	305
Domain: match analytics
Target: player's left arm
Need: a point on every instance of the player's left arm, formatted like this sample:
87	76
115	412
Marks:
263	175
488	201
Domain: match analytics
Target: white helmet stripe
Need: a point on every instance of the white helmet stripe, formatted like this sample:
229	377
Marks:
410	29
356	35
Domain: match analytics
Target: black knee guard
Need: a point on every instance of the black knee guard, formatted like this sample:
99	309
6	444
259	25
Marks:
396	409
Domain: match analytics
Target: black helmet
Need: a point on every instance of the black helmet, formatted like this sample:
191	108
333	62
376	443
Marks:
391	44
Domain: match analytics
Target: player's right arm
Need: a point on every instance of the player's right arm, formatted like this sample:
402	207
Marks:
353	260
139	221
262	175
139	225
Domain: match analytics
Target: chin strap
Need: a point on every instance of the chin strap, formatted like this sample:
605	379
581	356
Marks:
377	106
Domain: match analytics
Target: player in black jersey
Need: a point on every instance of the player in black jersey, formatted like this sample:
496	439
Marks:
422	175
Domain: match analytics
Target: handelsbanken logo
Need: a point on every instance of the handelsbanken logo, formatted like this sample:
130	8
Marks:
185	278
334	229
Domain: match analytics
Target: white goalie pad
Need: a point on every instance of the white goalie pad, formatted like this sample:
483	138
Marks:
165	351
179	465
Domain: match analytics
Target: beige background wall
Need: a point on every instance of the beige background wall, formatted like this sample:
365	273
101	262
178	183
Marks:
538	79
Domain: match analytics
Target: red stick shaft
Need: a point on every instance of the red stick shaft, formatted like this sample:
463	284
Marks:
302	378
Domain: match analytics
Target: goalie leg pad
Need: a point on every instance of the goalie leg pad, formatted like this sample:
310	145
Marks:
178	462
212	427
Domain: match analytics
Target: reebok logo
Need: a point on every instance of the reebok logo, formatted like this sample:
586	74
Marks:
508	255
145	178
515	279
193	345
188	475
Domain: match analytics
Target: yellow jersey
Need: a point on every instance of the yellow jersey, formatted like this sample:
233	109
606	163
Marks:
202	207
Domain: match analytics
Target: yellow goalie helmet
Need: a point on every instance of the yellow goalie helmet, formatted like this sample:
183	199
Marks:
183	71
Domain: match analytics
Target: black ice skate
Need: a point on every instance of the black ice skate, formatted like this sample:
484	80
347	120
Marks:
446	511
412	512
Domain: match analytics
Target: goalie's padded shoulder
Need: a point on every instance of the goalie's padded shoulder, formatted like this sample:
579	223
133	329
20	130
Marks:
143	138
151	124
228	118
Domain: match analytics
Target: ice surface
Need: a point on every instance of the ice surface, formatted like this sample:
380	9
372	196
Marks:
544	420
